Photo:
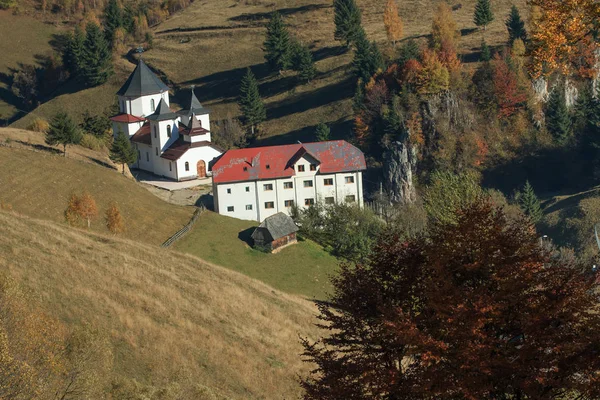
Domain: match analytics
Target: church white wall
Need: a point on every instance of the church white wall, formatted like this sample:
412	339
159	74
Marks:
192	156
141	106
128	129
144	157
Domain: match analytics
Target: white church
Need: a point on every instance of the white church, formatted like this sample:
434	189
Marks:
175	145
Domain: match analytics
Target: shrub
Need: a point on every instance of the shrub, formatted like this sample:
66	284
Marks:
39	125
114	220
92	142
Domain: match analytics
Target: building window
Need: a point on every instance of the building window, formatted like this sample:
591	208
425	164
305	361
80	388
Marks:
139	155
267	187
349	179
313	167
229	208
168	130
300	168
329	200
288	185
123	106
269	204
147	156
289	203
268	166
228	191
248	207
247	188
170	167
308	183
155	131
350	199
187	166
152	105
309	202
328	182
156	150
245	169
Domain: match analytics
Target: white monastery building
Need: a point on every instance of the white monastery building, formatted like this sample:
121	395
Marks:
172	144
256	183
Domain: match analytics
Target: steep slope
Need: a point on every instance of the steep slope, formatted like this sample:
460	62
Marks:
38	184
173	320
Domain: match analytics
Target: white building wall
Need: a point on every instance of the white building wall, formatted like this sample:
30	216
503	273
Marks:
257	196
141	106
192	156
144	154
128	129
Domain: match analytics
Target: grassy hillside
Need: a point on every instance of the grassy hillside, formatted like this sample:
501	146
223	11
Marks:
38	184
303	268
163	312
24	39
211	43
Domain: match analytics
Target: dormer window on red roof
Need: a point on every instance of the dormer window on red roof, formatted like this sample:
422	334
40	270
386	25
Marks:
245	169
268	166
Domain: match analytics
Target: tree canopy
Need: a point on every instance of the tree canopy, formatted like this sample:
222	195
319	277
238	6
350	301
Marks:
347	19
277	44
474	310
63	131
251	104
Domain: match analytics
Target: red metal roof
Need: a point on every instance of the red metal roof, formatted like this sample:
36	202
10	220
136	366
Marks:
251	164
143	135
126	118
180	146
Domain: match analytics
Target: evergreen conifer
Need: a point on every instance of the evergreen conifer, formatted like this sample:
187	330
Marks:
113	19
63	131
367	58
515	26
73	53
96	57
277	44
251	104
128	19
409	51
483	13
530	204
323	132
486	53
121	151
347	21
305	64
558	120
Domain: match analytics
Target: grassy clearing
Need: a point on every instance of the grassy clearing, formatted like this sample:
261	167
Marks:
39	184
303	268
175	323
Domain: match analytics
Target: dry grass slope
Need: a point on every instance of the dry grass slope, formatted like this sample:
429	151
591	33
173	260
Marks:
173	319
39	184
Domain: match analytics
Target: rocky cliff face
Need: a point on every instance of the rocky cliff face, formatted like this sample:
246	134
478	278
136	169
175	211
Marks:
400	162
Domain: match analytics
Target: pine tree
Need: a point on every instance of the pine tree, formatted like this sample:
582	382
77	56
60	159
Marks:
251	104
530	204
367	58
73	53
558	120
304	63
96	57
128	19
409	51
515	26
323	132
483	13
392	22
113	19
121	151
347	21
63	131
277	44
486	53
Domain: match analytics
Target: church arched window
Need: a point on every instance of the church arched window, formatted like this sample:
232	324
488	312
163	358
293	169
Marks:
168	130
154	131
152	105
123	108
187	166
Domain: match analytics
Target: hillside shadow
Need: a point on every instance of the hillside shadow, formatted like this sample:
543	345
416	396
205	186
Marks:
317	98
246	236
207	201
40	147
329	51
555	170
467	31
247	17
341	129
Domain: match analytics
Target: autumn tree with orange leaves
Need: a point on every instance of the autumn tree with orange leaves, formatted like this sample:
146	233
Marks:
509	95
563	31
474	310
392	22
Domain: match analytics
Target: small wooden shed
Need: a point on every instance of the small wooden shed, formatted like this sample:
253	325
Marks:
275	232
